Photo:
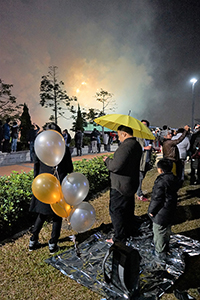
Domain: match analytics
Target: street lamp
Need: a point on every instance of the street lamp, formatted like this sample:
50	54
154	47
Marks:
193	81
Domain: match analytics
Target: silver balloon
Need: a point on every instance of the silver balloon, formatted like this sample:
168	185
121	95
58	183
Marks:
83	217
50	147
75	187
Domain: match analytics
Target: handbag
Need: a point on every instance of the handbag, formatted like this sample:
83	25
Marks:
125	268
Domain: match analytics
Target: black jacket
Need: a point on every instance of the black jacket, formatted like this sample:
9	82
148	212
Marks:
64	167
164	199
195	139
124	167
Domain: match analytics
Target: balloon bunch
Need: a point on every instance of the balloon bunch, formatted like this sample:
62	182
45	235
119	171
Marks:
66	200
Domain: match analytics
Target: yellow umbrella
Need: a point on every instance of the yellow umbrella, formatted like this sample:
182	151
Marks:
113	121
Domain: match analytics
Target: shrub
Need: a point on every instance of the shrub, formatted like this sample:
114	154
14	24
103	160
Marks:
16	192
15	195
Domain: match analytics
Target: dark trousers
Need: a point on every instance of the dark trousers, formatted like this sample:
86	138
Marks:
141	177
179	169
79	149
6	146
55	234
121	210
195	165
31	150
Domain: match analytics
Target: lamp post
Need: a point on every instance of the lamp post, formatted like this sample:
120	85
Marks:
193	81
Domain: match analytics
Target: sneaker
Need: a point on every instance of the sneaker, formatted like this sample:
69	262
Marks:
142	198
53	248
34	245
182	295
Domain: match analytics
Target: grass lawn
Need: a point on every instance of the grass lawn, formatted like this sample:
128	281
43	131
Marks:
25	275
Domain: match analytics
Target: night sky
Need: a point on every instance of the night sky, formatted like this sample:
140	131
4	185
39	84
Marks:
144	52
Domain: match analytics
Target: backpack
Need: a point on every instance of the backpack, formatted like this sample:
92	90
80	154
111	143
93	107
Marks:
125	268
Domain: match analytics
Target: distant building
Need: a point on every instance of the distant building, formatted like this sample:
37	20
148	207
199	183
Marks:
90	127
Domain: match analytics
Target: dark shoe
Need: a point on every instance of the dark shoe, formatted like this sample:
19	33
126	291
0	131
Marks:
53	248
182	295
34	245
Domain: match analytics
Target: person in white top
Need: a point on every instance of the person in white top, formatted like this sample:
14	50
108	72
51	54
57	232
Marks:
183	147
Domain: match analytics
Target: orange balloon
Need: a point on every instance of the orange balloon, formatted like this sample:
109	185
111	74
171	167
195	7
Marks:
61	208
46	188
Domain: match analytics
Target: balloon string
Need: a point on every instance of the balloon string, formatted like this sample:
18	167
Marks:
56	173
69	217
78	253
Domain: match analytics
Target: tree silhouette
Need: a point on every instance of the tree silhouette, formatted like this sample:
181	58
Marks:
8	103
79	122
106	99
53	95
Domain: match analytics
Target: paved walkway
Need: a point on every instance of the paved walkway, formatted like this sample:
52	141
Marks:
26	167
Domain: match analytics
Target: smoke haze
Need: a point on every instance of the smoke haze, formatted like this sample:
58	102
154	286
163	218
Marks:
143	52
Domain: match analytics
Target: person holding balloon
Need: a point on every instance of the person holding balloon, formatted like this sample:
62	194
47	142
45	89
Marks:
52	163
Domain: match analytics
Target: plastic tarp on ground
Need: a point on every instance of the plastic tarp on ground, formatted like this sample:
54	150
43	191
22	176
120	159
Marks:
156	277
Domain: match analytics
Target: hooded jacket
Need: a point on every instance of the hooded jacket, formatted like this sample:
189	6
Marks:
164	199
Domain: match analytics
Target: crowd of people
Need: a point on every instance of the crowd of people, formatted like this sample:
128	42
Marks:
127	170
8	133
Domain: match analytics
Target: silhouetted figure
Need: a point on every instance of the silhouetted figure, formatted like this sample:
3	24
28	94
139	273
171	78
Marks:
67	137
1	135
144	162
195	158
78	142
44	210
31	138
94	135
6	135
14	136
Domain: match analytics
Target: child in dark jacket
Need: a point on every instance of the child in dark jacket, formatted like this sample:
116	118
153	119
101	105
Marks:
163	206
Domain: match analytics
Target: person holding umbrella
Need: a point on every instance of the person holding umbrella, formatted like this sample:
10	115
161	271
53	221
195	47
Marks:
124	175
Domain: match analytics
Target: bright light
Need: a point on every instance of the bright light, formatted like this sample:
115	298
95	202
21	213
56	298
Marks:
83	83
77	90
193	80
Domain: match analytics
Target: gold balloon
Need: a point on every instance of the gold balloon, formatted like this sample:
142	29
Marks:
46	188
61	208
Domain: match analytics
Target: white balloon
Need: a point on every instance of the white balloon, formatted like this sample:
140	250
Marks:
50	147
83	217
75	187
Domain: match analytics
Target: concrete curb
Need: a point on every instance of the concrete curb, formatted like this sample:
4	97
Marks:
13	158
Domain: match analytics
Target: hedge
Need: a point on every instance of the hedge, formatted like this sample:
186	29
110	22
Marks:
15	194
